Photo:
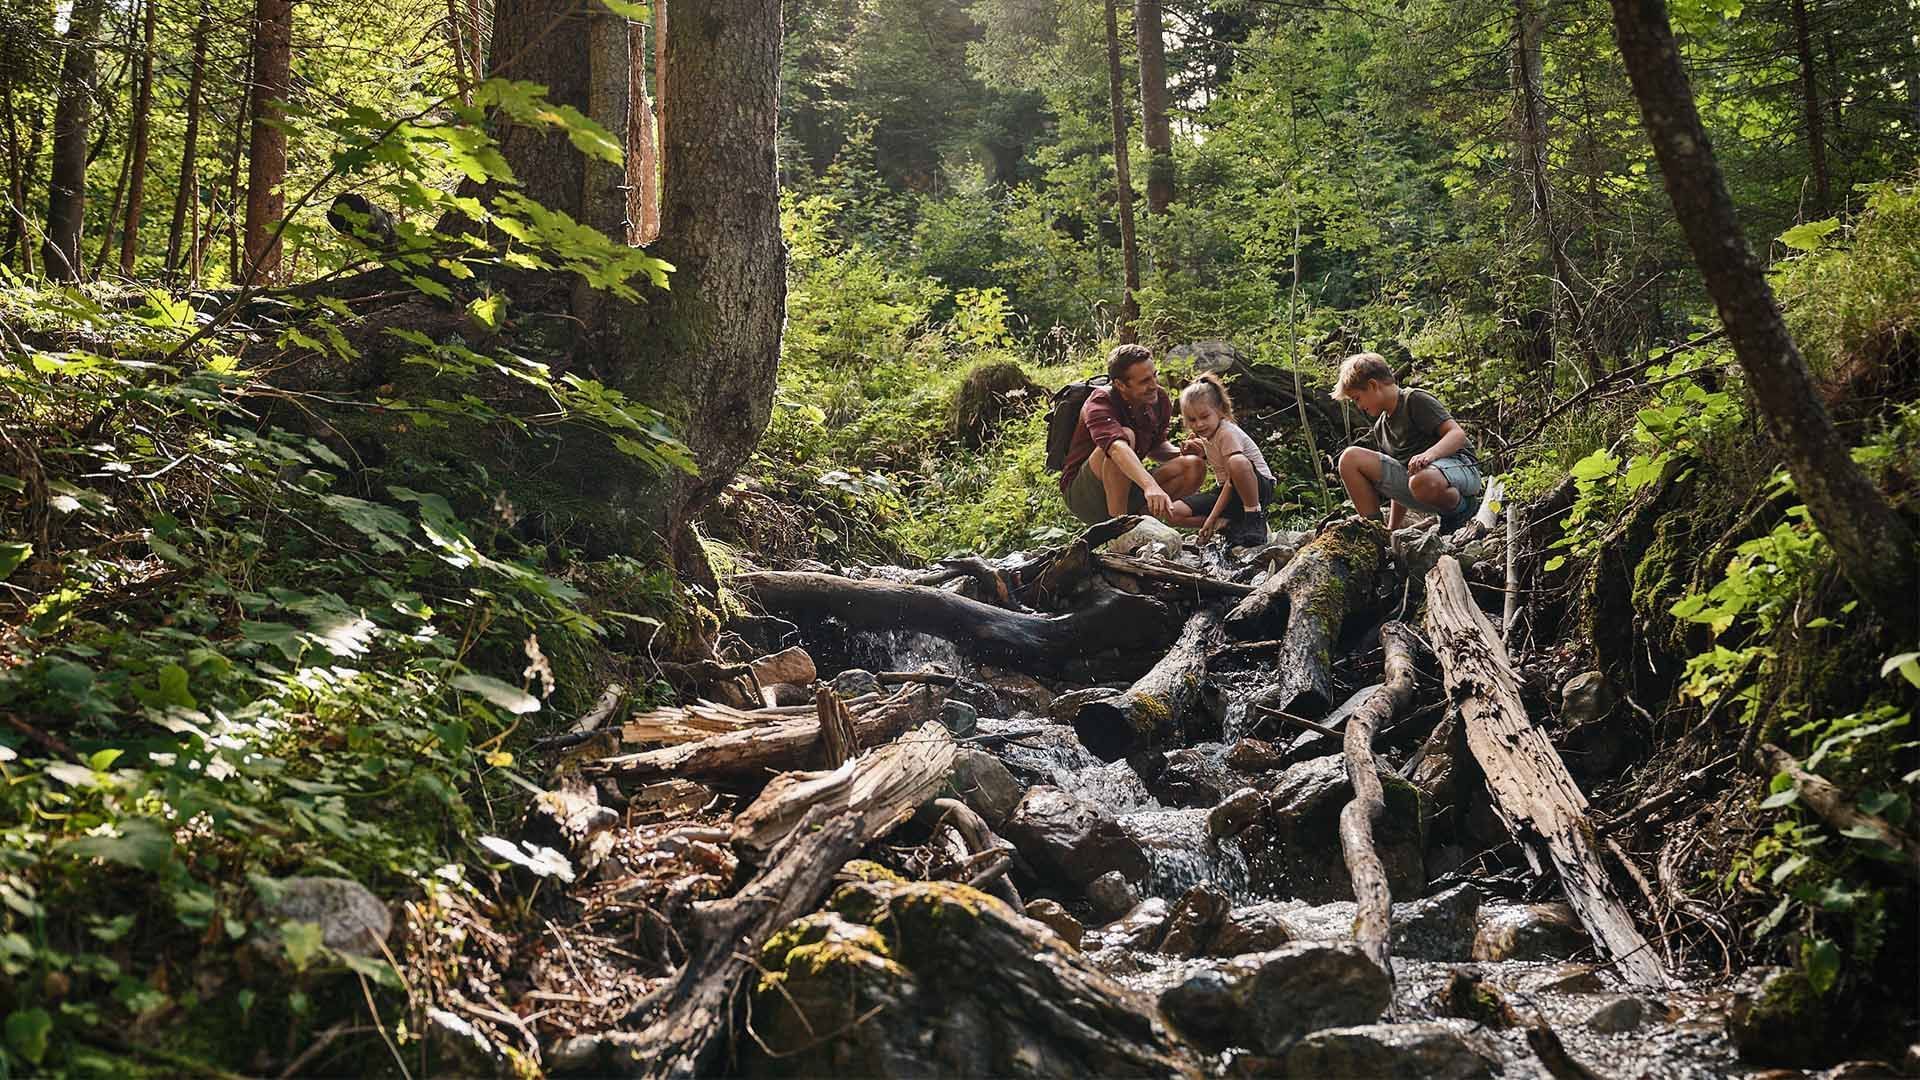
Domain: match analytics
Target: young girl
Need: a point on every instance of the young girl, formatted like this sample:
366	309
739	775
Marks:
1245	481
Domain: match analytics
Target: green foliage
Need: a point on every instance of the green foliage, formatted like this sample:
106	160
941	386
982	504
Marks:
1852	301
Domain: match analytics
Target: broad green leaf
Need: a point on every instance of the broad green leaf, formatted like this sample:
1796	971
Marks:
489	309
288	639
1595	466
1787	869
1779	799
386	527
1773	918
28	1032
1810	235
507	696
303	941
1907	664
143	844
1822	960
12	554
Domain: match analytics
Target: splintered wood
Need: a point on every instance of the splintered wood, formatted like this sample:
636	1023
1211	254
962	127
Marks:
1532	792
881	788
788	742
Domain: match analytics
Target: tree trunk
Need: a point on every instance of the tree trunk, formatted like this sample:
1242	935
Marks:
1122	182
113	209
235	152
72	114
1156	132
1153	711
267	150
1874	548
188	193
12	63
1810	95
1304	605
142	112
643	154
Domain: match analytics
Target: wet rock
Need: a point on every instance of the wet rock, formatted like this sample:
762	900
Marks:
351	919
1112	895
1566	979
1468	996
1530	932
1192	778
1267	1001
1141	928
1152	538
1863	1070
854	682
1258	928
1068	839
1254	756
1065	707
1235	813
1432	1051
1296	849
1782	1022
932	978
1050	914
1021	691
983	782
1585	698
1192	923
1438	927
1618	1016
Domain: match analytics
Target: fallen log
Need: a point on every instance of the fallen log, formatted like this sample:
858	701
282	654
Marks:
750	753
1165	573
1373	910
1071	567
1153	710
881	788
1022	641
1330	578
980	839
705	719
1535	798
1838	811
838	739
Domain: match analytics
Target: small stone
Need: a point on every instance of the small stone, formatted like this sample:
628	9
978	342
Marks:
983	782
855	682
1194	919
1235	813
1112	895
1618	1016
1253	929
1267	1001
1071	840
1530	932
1139	928
1585	698
1254	756
1190	778
351	919
1050	914
959	717
1438	927
1151	538
1432	1051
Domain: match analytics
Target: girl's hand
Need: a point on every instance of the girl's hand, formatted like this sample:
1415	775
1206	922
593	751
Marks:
1207	530
1194	447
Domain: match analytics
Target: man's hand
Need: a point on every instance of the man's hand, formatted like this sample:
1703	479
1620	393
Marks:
1195	447
1419	463
1157	502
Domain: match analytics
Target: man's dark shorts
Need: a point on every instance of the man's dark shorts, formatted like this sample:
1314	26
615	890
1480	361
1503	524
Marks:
1087	497
1202	504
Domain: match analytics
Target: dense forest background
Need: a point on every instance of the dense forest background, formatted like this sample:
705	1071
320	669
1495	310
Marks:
355	437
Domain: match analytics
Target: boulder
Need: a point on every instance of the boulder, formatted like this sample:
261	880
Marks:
1618	1016
1070	840
1192	778
932	978
1194	920
1254	756
1530	932
1265	1002
1212	355
1235	813
1782	1021
1050	914
855	682
1258	928
1295	849
983	782
351	919
1112	896
1432	1051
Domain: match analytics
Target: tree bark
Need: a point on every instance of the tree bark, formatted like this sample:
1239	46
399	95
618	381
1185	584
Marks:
1530	116
1810	97
188	192
1305	603
72	116
1373	908
1155	130
235	153
113	209
267	149
14	63
643	154
1152	712
142	115
1122	182
1542	808
880	789
1873	546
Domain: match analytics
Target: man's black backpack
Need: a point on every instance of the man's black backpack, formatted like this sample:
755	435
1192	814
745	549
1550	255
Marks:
1063	413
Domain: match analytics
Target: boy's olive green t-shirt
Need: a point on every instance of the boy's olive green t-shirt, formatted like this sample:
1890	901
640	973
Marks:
1414	427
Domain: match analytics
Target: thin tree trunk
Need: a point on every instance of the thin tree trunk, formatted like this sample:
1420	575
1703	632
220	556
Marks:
113	210
1810	93
142	113
643	157
17	166
463	77
1874	548
236	152
1529	27
1122	182
188	191
72	115
1156	133
267	148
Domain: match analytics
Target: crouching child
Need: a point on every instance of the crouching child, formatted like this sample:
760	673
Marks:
1424	459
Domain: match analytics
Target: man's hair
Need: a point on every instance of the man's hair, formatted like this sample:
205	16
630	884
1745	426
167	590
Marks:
1358	370
1123	357
1207	387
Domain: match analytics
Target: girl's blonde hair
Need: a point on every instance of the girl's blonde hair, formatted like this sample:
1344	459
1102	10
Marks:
1207	387
1358	370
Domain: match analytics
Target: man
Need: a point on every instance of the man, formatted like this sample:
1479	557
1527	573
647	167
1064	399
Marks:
1119	424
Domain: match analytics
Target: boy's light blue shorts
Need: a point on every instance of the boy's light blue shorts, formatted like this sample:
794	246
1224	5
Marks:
1461	474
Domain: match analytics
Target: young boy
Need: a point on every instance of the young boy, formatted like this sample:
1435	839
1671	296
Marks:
1424	460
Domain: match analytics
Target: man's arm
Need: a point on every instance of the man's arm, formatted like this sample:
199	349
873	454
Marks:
1120	453
1166	451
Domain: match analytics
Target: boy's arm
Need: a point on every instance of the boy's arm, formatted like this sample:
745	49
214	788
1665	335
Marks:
1452	438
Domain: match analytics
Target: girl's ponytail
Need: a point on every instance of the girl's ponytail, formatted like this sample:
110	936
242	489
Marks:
1208	386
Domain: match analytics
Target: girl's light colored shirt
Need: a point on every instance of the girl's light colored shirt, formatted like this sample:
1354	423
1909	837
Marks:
1228	440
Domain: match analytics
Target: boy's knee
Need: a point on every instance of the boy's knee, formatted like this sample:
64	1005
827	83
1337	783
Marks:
1428	485
1351	457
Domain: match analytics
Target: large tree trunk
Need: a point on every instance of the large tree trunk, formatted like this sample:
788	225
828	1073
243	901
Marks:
142	114
1530	122
72	115
188	192
16	63
1810	96
1122	182
267	151
1155	131
236	150
1873	546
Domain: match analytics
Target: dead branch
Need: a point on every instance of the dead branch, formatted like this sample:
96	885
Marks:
1373	911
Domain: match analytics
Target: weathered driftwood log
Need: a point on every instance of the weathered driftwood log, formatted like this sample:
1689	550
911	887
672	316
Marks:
1541	806
1838	811
838	739
704	720
1012	639
752	752
1152	711
881	788
979	838
1373	911
1329	579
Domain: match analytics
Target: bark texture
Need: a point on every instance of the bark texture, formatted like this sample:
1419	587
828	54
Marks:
1305	603
183	244
267	149
137	170
1373	908
1874	547
72	117
1122	181
1810	99
1152	712
1155	130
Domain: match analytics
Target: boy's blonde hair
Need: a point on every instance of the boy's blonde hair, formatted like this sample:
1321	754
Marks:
1358	370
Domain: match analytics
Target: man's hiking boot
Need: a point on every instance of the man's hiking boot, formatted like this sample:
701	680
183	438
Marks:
1248	530
1461	514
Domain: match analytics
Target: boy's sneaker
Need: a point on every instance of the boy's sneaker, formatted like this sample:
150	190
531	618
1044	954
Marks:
1461	514
1248	530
